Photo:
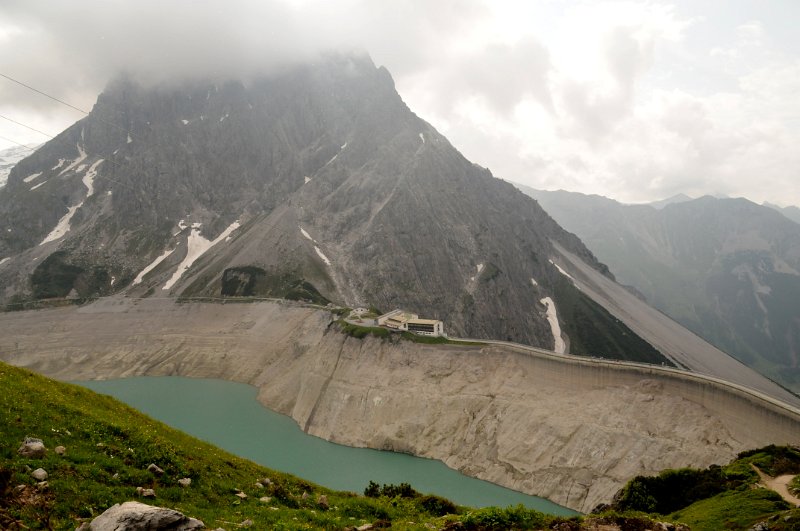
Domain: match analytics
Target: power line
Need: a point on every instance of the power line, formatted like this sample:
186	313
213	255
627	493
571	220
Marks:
29	127
17	143
42	93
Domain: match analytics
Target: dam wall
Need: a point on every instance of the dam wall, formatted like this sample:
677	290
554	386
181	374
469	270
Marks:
570	429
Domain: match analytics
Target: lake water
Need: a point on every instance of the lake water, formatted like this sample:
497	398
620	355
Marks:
228	415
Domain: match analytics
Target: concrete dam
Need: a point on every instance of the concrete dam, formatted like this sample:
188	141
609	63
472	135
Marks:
570	429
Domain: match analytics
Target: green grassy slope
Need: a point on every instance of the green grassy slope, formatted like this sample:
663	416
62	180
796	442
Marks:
719	498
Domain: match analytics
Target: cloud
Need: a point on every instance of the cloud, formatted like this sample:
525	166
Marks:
636	100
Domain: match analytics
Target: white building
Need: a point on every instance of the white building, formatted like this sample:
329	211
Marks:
410	322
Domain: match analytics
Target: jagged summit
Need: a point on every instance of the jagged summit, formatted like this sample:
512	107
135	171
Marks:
316	182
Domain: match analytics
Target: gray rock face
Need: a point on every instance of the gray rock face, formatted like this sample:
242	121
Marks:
135	516
341	192
32	448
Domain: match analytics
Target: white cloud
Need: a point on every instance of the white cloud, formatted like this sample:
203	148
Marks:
636	100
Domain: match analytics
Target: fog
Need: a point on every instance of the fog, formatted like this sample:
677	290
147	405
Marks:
633	100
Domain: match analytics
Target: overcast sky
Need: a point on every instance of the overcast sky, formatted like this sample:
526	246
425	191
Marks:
633	100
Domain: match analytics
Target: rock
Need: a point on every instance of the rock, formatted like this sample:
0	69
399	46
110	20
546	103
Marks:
266	482
185	482
242	495
39	474
135	516
145	493
265	499
364	527
322	501
305	495
247	523
60	450
32	448
42	485
155	469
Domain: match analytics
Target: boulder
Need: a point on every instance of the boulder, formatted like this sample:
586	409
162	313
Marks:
135	516
145	493
60	450
32	448
155	469
39	474
185	482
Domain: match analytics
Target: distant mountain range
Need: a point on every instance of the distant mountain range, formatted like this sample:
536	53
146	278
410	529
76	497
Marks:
728	269
9	158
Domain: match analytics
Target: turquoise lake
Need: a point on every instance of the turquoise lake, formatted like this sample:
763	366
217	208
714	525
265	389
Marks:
228	415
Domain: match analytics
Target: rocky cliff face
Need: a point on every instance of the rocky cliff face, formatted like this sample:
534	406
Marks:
572	431
727	269
315	183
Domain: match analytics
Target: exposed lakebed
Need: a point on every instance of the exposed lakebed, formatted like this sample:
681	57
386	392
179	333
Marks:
228	415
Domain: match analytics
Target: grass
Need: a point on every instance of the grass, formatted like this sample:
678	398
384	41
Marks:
731	510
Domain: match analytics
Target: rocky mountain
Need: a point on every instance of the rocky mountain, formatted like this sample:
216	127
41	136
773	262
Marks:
727	269
315	182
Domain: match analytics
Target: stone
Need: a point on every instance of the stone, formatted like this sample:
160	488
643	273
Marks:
32	448
265	499
241	495
155	469
145	493
305	495
60	450
364	527
39	474
185	482
322	501
135	516
265	482
42	485
247	523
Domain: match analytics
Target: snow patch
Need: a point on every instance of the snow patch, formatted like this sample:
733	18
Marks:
552	317
196	225
153	264
29	178
322	255
113	279
63	225
88	179
108	193
343	146
60	163
197	246
480	268
185	122
533	281
129	138
223	118
307	180
562	271
422	137
80	159
4	260
182	224
34	187
307	235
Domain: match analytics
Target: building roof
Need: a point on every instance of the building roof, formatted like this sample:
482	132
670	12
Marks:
424	321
